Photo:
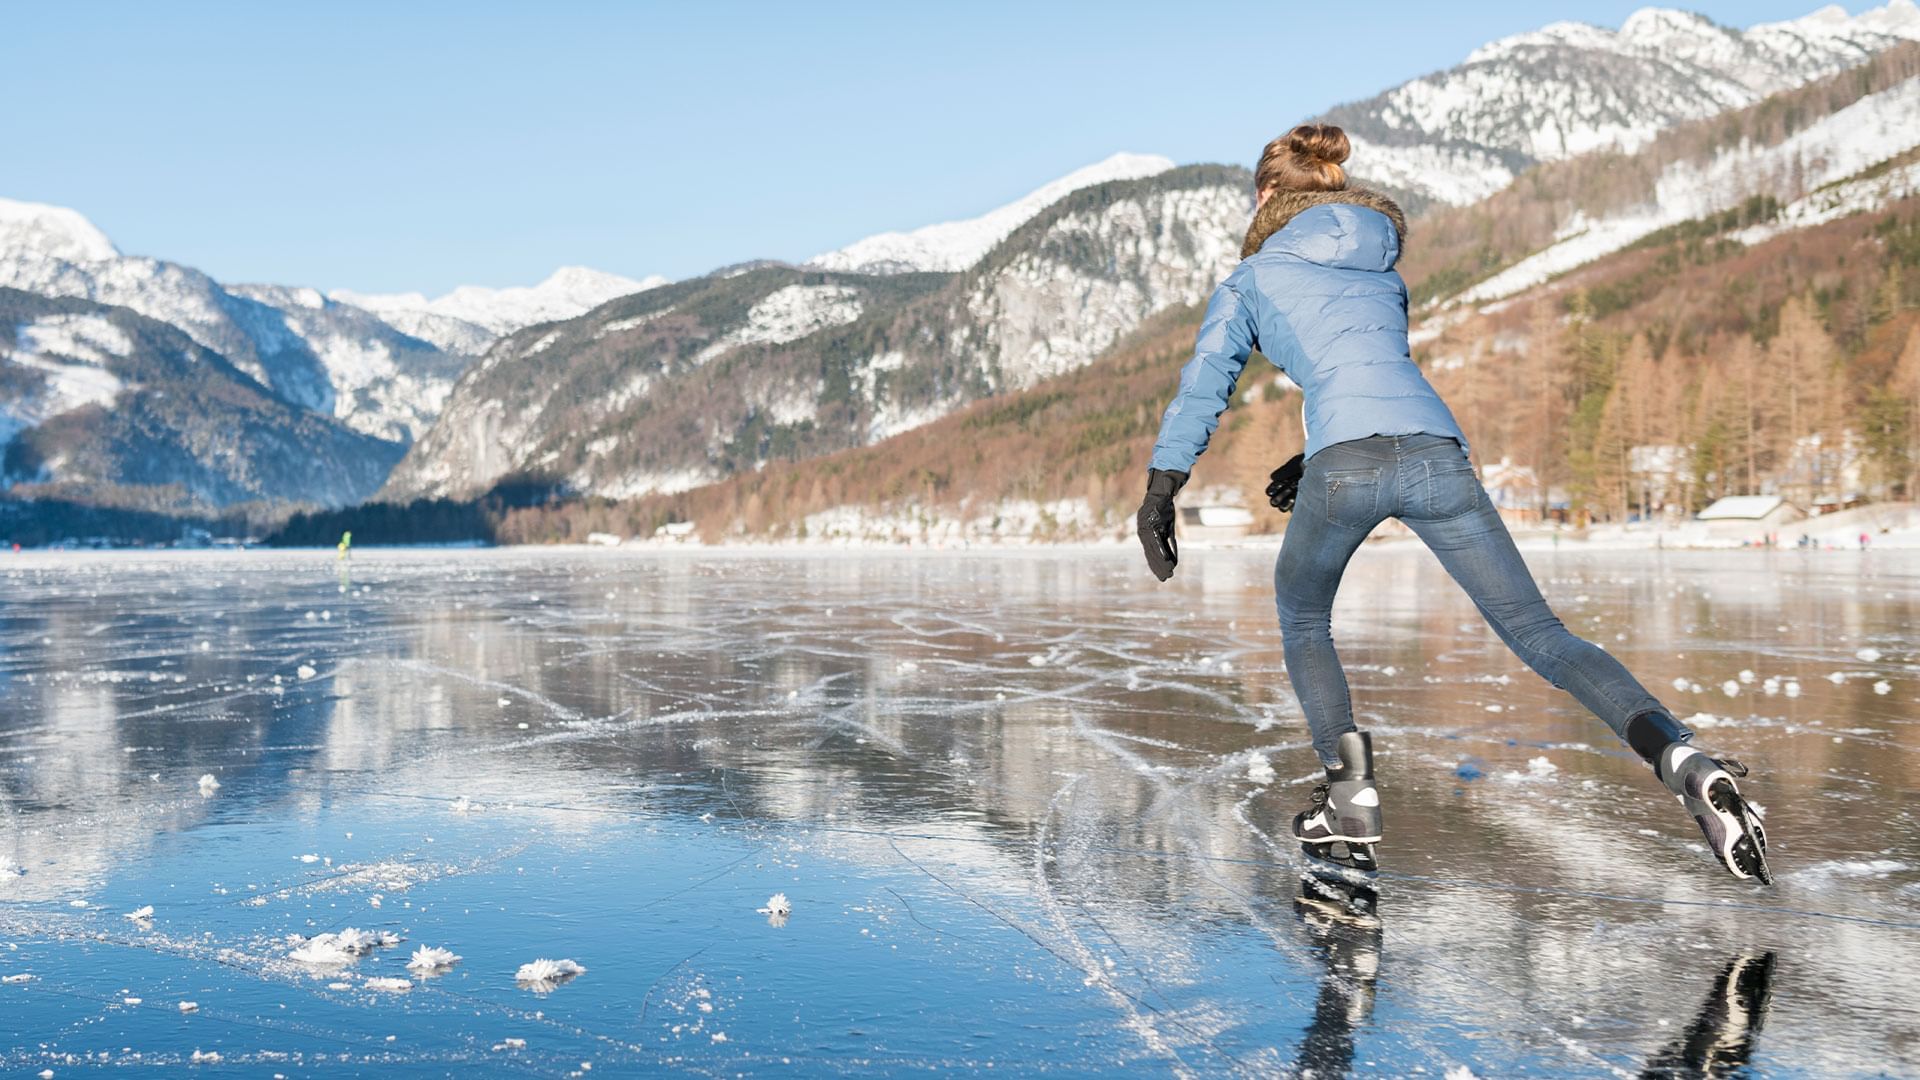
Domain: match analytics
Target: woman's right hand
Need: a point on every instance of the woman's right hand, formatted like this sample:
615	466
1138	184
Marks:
1155	521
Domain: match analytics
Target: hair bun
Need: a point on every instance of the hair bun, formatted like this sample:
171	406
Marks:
1320	142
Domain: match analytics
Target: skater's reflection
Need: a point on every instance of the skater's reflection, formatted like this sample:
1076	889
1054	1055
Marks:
1721	1037
1344	929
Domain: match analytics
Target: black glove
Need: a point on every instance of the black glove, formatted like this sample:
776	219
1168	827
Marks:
1156	521
1286	483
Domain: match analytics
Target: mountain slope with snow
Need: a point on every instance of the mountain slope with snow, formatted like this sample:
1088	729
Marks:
686	384
331	358
955	245
1810	153
102	405
1462	134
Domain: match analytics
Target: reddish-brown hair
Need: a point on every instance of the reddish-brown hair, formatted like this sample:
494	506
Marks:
1305	159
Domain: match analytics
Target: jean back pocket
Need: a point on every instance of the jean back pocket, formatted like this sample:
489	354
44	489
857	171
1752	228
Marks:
1353	497
1452	488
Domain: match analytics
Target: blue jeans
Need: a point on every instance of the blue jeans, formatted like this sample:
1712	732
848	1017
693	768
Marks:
1426	482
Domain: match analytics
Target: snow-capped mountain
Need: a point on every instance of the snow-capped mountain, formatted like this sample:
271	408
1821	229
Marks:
1462	134
956	245
567	292
686	384
331	358
99	401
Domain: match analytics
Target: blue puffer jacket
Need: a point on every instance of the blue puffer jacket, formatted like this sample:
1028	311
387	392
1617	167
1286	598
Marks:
1320	298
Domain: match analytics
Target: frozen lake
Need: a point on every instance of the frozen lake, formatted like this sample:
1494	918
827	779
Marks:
1027	809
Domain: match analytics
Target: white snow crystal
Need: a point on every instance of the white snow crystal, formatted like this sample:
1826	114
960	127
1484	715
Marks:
777	904
1703	720
1837	677
1460	1072
1747	676
9	868
305	671
1793	689
719	1036
1730	688
208	785
546	974
1542	767
211	1057
139	914
510	1044
323	951
1883	687
19	978
1259	769
1680	684
1037	660
331	949
1868	654
432	958
189	1006
392	984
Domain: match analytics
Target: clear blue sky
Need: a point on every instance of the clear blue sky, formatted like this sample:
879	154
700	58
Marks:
393	146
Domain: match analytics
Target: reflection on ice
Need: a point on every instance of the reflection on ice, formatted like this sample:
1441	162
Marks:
1033	807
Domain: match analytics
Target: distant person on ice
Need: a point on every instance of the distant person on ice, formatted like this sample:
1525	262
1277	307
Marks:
1316	293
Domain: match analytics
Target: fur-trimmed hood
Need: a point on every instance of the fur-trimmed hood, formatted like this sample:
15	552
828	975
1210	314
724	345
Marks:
1284	206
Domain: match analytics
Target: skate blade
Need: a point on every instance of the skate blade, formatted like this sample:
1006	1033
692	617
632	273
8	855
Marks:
1343	863
1749	852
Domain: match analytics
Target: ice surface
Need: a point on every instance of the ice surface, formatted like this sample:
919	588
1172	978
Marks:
1071	867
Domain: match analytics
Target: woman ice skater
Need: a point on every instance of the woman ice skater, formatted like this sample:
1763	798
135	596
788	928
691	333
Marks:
1316	293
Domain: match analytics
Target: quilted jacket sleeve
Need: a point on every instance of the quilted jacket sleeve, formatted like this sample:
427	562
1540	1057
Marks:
1227	337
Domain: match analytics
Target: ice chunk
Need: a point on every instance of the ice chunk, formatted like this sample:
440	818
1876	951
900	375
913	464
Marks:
1259	769
211	1057
1883	687
141	914
189	1006
305	671
19	977
393	985
208	785
1541	767
1730	688
1869	654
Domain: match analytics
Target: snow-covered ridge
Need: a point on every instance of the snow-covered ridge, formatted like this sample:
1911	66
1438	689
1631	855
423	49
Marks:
566	293
789	314
1569	88
53	231
1870	131
956	245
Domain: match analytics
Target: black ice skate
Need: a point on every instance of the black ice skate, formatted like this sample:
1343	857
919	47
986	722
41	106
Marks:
1339	829
1705	787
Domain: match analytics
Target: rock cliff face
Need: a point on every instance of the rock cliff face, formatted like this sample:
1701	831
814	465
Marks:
688	383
